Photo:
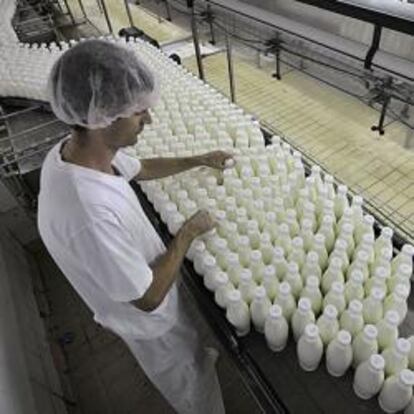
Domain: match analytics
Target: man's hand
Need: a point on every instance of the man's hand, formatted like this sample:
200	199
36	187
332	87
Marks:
200	223
219	160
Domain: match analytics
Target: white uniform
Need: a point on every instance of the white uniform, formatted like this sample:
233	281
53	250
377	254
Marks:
96	231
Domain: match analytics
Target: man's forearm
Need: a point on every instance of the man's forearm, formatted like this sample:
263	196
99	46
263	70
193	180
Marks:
163	167
165	270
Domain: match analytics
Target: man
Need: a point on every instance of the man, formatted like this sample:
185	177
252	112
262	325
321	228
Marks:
95	229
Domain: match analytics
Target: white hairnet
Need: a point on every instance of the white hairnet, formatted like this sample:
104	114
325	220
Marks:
96	82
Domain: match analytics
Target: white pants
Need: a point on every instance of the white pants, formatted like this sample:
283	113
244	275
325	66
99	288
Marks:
179	366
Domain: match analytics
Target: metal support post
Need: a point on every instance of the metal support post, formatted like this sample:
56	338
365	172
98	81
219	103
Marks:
230	68
380	126
196	44
376	39
108	21
210	23
128	10
168	10
277	75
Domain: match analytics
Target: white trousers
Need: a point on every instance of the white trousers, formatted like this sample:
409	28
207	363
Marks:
179	366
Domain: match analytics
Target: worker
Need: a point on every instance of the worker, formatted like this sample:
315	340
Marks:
94	227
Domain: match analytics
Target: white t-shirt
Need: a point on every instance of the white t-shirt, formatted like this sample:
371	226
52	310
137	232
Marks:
96	231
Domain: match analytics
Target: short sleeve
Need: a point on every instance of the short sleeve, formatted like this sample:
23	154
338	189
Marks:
112	260
127	165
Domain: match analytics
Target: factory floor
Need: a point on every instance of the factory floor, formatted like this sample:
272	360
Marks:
98	373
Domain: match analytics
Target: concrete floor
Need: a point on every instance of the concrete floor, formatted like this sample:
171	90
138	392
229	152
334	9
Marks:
99	373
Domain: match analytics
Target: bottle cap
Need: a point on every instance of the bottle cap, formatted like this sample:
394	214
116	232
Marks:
387	232
402	291
269	271
357	276
362	256
355	306
341	244
311	330
221	244
370	331
407	377
368	219
312	281
245	275
404	270
336	262
234	295
337	287
342	189
260	292
381	273
284	288
270	216
305	304
229	163
377	362
231	226
221	278
243	241
330	311
275	311
316	169
209	261
357	200
320	239
378	293
297	242
292	267
284	229
344	337
279	252
348	228
252	225
327	219
329	178
403	346
392	317
408	249
256	256
312	257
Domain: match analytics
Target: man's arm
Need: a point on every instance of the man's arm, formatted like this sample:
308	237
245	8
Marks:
163	167
165	269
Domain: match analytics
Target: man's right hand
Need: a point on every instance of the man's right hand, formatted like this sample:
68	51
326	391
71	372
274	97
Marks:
200	223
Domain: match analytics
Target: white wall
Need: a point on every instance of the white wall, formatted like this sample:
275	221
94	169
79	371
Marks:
392	42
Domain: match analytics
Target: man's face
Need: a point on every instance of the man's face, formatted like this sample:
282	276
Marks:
124	131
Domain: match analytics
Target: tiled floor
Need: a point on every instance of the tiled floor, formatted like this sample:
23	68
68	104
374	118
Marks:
331	128
103	375
161	30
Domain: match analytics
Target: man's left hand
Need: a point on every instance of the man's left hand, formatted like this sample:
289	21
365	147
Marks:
219	160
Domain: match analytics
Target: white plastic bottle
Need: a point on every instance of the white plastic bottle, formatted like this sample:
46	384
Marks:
266	247
396	356
270	281
244	250
311	266
223	287
276	329
279	262
388	330
364	345
333	274
284	239
294	279
310	348
256	265
341	201
307	234
369	377
247	285
378	280
354	287
351	319
401	276
197	248
347	234
366	227
405	256
339	354
360	263
238	313
327	229
259	308
311	291
336	297
302	316
233	267
340	251
397	301
373	309
328	324
384	240
357	211
397	392
320	248
297	253
285	300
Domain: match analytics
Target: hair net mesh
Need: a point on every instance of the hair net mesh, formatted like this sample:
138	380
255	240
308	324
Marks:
96	82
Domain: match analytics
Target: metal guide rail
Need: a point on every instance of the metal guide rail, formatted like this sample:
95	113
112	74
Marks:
276	380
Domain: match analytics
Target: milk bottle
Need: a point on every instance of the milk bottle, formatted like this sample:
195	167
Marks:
354	288
397	392
285	300
373	307
369	377
310	348
352	319
332	274
328	324
294	279
339	354
364	345
270	281
237	313
312	292
336	297
276	329
247	285
259	308
388	330
302	316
